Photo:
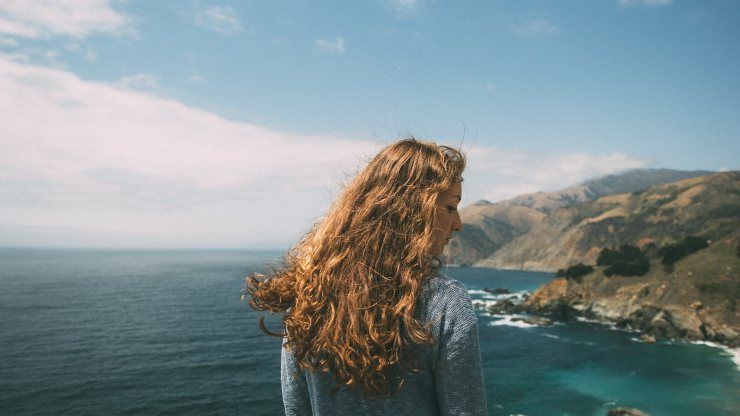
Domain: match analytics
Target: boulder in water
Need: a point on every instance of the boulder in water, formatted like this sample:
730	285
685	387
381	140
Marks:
497	291
533	320
502	307
625	411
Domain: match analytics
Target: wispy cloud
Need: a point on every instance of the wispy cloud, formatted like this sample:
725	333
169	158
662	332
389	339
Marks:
539	27
82	50
71	18
496	174
221	19
334	46
10	42
89	155
402	8
649	3
139	82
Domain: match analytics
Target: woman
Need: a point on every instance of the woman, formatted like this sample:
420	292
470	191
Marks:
371	326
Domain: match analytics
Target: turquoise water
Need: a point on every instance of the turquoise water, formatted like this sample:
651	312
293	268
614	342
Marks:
164	332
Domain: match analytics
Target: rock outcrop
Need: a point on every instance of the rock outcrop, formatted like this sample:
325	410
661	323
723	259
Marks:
626	411
697	300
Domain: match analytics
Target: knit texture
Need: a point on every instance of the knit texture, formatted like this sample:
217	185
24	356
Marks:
451	377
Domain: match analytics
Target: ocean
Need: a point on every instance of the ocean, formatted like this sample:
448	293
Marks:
104	332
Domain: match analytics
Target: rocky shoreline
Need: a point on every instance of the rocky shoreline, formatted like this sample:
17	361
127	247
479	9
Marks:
629	308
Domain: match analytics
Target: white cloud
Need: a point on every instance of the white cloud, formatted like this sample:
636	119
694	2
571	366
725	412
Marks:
141	82
496	174
335	46
43	56
536	27
82	50
649	3
8	42
93	164
221	19
402	8
196	77
45	18
144	170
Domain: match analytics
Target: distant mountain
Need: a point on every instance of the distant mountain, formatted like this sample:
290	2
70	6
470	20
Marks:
706	206
489	227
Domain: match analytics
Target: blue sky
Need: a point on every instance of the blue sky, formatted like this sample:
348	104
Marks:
233	124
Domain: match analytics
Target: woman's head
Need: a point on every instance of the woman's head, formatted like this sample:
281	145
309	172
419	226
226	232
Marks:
397	197
350	286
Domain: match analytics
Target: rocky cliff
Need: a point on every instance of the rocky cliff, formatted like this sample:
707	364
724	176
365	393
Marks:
697	300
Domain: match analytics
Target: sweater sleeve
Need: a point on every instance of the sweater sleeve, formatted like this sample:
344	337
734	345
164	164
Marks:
458	372
294	387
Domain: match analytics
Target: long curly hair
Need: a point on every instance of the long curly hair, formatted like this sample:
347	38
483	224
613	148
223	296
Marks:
349	287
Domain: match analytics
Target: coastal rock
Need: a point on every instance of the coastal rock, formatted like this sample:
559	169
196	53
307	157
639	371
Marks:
497	291
726	335
533	320
503	307
626	411
648	339
547	298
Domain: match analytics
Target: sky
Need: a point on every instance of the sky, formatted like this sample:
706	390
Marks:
225	124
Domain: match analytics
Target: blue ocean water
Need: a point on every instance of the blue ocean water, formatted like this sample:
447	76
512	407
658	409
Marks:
85	332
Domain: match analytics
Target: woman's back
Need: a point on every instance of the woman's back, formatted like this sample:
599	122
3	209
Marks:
450	377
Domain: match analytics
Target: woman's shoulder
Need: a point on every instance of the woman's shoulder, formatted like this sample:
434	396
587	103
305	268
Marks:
439	284
440	292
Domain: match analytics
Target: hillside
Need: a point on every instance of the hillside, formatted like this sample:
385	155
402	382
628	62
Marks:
698	300
489	227
706	206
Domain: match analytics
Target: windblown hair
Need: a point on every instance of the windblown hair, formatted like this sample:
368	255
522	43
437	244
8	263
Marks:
349	288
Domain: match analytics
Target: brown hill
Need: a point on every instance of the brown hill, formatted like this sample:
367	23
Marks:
706	206
490	226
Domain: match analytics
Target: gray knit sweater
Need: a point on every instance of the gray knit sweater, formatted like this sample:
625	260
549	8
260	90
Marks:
451	380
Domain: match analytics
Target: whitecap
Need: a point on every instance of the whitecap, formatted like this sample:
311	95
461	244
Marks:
484	304
506	320
584	319
609	324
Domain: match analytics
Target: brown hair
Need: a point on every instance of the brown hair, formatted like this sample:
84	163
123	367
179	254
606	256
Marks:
349	288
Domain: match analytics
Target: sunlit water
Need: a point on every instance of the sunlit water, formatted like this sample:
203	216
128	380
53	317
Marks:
164	332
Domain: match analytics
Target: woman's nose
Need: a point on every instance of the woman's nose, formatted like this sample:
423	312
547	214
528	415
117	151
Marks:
457	224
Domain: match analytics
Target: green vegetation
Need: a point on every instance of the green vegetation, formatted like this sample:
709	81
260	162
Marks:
628	260
671	253
575	272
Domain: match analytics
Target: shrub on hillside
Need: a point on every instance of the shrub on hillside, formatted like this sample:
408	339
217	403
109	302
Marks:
627	260
575	272
672	253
